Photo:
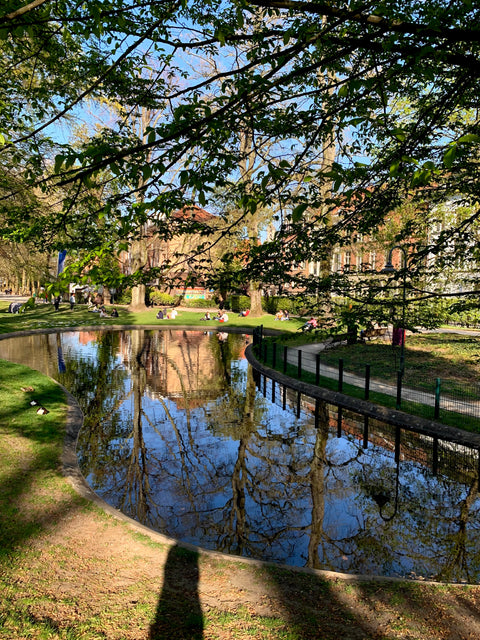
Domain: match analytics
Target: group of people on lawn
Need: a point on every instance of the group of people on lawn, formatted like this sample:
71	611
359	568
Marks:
222	316
282	315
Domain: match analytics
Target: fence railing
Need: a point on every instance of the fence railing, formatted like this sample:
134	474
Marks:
428	400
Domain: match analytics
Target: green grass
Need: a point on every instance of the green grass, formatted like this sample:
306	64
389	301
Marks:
452	357
45	317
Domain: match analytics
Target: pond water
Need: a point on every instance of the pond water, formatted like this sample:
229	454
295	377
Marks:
178	436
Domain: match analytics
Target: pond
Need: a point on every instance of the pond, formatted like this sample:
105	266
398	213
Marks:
178	436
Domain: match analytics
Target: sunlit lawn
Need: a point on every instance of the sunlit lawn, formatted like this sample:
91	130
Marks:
45	317
453	358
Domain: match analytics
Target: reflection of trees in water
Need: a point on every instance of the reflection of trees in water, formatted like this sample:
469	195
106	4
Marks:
238	478
431	523
98	383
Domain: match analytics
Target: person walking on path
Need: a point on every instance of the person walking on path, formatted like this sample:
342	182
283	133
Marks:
72	301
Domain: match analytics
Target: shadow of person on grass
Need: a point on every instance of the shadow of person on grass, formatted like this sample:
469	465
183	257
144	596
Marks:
179	614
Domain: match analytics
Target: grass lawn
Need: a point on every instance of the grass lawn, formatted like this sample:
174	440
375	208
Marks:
454	358
44	316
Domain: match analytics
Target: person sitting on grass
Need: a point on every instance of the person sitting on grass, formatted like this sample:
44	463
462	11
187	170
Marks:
310	325
114	313
286	315
206	316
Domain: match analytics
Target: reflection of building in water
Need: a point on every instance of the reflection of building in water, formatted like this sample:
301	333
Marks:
37	351
179	364
84	337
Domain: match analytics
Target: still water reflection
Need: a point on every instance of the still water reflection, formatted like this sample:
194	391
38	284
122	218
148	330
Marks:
178	437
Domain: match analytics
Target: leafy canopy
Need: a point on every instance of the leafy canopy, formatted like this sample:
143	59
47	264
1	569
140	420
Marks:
391	87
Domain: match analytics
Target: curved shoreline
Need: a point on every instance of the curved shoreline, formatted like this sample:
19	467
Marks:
71	470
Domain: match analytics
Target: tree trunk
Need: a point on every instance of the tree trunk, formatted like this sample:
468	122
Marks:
138	298
255	294
138	261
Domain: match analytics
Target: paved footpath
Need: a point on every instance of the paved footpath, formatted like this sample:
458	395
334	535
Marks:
471	408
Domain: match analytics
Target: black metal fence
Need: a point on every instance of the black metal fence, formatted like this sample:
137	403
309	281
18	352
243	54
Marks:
457	459
434	403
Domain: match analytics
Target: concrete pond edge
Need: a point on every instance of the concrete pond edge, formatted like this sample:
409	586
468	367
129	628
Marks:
72	473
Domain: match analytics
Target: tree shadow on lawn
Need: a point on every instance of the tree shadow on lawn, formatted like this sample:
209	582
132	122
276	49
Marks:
26	513
366	609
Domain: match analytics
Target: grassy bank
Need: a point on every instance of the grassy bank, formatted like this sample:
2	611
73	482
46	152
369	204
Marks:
451	357
68	571
44	316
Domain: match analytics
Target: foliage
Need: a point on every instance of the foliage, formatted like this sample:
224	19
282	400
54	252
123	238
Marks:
161	298
294	305
199	303
464	313
393	91
124	296
239	303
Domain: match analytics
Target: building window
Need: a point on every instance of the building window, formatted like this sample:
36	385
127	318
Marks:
336	262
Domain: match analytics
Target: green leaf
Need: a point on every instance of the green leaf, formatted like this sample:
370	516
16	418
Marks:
299	211
449	157
469	137
58	162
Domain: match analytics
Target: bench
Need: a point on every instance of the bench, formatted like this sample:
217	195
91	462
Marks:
368	334
334	341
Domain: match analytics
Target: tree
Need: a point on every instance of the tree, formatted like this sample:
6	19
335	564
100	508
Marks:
303	83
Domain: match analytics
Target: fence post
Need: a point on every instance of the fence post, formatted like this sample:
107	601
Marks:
340	375
285	359
257	339
317	369
399	389
299	365
274	355
265	352
435	456
397	444
367	381
437	399
365	432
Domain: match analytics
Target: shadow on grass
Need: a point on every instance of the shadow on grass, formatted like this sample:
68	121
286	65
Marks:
179	614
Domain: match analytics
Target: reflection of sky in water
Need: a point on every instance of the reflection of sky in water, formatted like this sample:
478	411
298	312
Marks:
198	459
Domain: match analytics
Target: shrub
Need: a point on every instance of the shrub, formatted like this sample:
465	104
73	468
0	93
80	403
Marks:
199	303
294	306
239	303
124	296
160	298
